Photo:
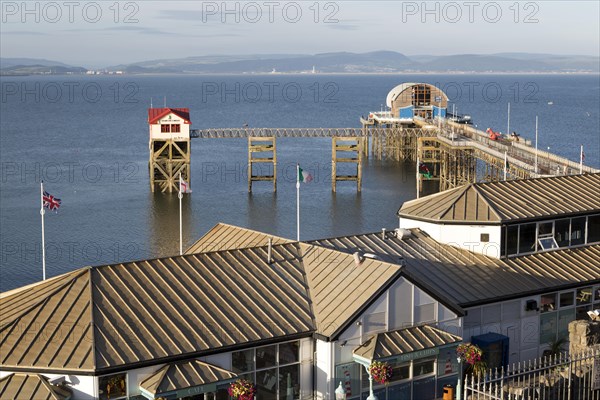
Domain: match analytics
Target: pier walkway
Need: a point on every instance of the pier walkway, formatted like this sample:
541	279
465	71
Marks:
455	153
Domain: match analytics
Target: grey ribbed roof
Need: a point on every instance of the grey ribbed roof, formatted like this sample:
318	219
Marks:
228	237
184	375
31	386
462	278
340	288
403	341
497	202
151	310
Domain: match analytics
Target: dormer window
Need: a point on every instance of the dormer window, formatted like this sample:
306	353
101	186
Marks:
547	243
532	237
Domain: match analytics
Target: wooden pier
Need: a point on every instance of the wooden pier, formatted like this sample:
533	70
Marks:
455	154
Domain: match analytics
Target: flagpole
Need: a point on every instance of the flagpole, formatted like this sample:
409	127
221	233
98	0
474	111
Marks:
536	145
505	161
508	123
581	161
417	176
42	212
298	202
180	195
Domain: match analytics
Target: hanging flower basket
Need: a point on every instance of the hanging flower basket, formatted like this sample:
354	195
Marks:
381	372
469	353
242	389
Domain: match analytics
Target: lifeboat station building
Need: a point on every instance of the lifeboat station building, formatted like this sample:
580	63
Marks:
505	264
409	101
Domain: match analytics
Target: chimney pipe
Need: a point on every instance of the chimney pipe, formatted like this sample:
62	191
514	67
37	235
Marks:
383	236
358	258
269	251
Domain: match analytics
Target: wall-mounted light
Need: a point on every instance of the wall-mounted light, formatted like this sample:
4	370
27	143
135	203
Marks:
531	305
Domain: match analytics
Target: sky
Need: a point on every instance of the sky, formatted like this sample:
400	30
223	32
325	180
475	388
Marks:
105	33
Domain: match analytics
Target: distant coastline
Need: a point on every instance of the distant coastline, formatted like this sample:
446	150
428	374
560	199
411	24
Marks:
308	74
340	63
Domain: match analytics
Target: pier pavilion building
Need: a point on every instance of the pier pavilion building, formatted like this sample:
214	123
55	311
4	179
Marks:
409	100
299	318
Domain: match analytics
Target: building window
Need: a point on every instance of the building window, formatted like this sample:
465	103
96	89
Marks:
349	374
512	240
566	299
548	325
549	235
275	369
593	229
527	238
577	231
242	361
425	313
564	318
548	302
165	128
112	387
484	237
425	367
561	232
584	296
175	128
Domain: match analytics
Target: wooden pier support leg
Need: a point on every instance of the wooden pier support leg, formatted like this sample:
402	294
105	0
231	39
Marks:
351	149
262	150
359	165
333	164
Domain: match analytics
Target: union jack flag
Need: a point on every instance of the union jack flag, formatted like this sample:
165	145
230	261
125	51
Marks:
51	202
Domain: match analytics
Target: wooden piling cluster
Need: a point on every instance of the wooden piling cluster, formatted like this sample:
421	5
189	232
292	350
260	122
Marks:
169	159
347	150
262	151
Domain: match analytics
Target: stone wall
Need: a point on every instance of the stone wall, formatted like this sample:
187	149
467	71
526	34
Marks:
583	335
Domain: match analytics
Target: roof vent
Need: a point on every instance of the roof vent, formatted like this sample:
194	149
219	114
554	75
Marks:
358	258
269	251
58	380
383	235
403	233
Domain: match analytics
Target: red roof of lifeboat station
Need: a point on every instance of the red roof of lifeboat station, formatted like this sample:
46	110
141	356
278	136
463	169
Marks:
155	114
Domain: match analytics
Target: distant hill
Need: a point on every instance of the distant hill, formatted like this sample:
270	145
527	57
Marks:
12	62
34	66
372	62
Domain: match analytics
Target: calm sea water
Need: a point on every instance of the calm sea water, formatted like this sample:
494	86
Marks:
87	138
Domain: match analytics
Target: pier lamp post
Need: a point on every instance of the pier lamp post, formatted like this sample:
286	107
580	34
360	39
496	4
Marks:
371	394
366	363
340	393
460	378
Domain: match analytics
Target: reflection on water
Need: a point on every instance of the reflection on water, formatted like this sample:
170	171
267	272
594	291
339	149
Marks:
163	222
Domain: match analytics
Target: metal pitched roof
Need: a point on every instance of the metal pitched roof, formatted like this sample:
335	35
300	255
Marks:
464	278
49	325
404	341
155	114
496	202
340	288
184	375
31	386
154	310
228	237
